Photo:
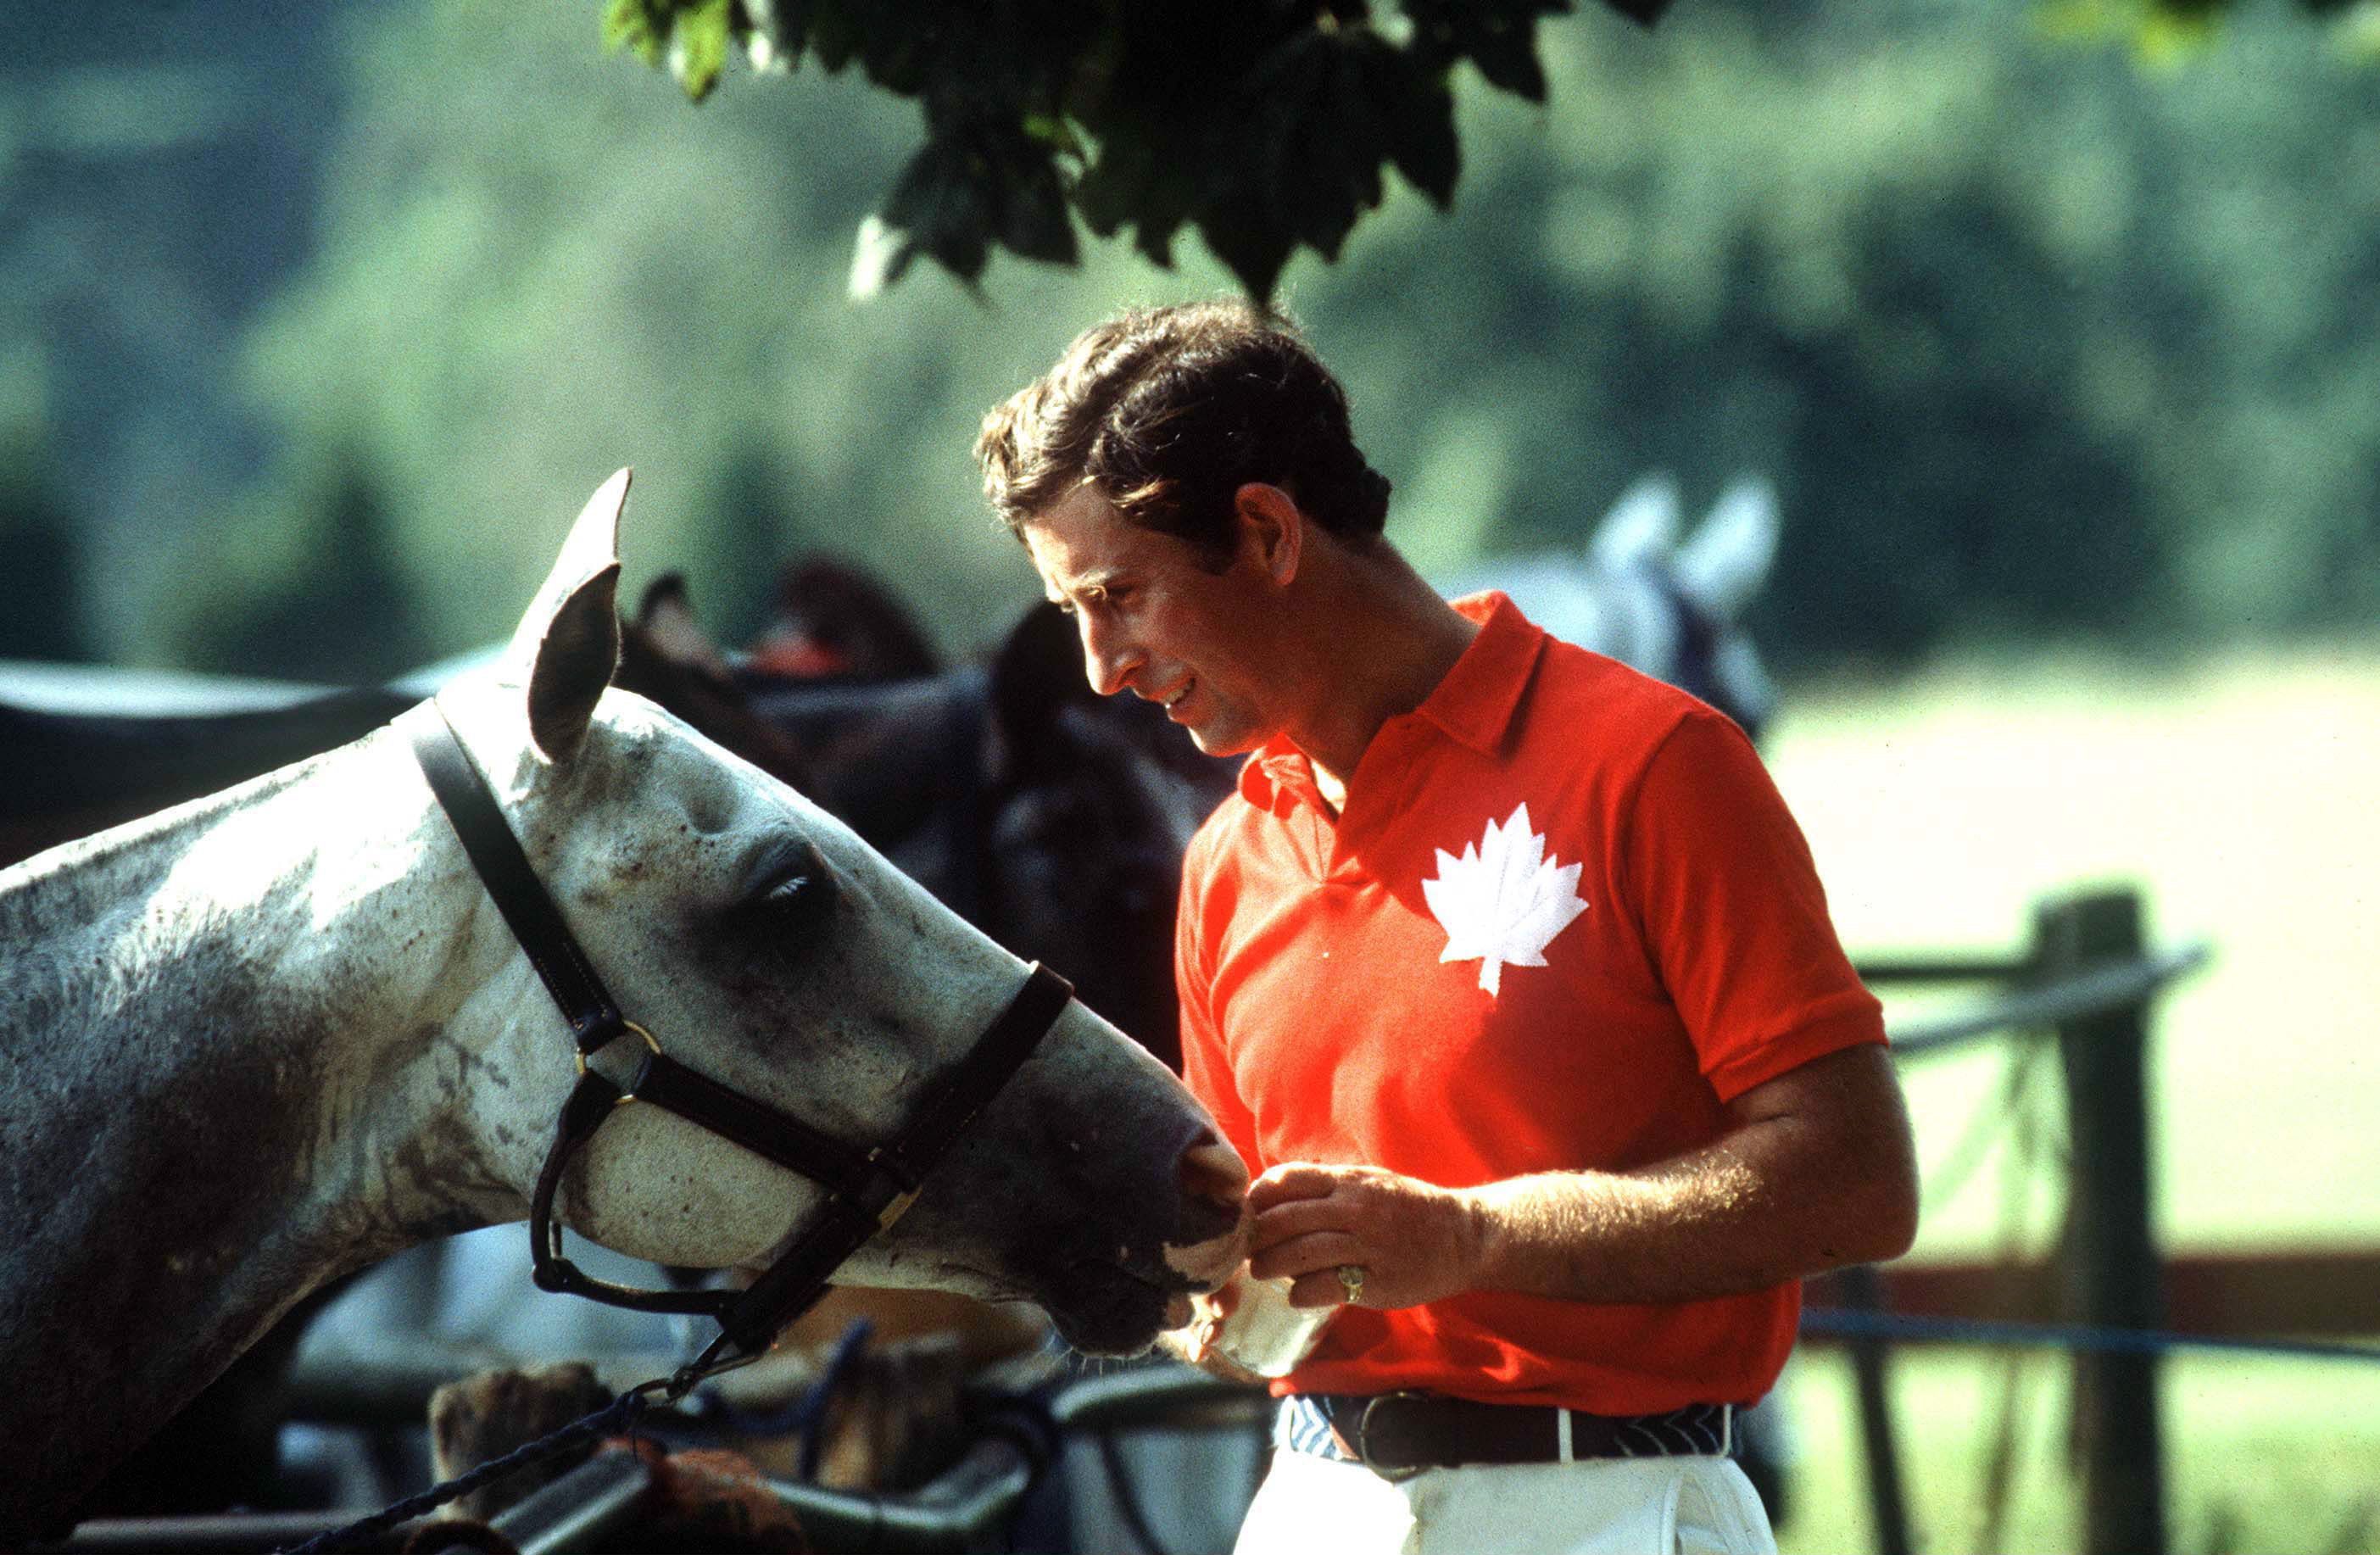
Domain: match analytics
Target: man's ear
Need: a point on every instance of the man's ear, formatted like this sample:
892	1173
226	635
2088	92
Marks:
1271	527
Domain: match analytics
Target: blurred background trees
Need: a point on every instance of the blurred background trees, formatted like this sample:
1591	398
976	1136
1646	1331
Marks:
323	319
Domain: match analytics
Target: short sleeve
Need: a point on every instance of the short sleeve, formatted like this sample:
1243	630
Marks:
1733	913
1206	1065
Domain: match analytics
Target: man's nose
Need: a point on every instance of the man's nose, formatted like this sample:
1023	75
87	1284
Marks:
1108	656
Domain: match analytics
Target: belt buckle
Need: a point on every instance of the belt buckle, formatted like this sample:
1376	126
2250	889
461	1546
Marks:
1363	1437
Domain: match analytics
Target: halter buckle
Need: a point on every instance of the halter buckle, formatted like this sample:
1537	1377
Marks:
898	1204
628	1091
895	1209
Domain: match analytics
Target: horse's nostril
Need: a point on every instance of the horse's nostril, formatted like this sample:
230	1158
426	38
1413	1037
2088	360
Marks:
1213	1171
1210	1226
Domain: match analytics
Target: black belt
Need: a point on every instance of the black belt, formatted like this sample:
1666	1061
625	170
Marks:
1398	1434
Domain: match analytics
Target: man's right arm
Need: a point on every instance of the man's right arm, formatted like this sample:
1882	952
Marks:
1815	1170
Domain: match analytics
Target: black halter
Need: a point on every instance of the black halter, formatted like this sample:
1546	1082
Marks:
867	1189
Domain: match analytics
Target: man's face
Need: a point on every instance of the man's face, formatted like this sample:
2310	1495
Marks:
1155	621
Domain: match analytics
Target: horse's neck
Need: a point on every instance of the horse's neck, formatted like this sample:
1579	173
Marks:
221	1045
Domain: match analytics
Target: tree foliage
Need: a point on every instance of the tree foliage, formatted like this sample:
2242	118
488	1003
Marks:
1262	125
2165	33
2034	342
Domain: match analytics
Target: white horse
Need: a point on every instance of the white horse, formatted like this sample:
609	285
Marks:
1640	593
272	1036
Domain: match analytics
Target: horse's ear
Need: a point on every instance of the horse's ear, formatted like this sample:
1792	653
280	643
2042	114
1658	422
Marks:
1729	558
570	638
1642	524
666	616
1038	670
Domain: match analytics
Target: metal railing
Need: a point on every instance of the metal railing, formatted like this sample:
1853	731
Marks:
966	1507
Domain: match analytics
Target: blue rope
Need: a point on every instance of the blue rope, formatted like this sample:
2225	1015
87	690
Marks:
801	1415
1846	1322
617	1418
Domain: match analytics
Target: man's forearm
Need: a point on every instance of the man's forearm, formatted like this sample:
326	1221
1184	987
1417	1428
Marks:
1706	1225
1815	1170
1782	1197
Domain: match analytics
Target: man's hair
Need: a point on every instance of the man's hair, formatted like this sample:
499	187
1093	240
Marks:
1169	411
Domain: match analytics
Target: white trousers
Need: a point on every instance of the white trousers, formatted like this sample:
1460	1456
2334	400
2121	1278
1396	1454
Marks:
1311	1505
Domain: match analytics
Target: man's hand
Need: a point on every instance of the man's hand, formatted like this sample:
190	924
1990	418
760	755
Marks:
1414	1241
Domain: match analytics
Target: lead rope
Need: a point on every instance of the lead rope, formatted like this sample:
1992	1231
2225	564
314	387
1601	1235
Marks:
617	1418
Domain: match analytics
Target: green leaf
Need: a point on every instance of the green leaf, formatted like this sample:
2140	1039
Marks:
699	46
630	24
1507	56
939	205
1114	189
835	36
1331	171
1500	37
1266	124
1131	183
1252	244
901	54
1036	222
1155	241
1419	106
1052	130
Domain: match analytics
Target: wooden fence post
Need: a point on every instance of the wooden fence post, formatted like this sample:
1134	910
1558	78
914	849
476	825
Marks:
1863	1290
2111	1275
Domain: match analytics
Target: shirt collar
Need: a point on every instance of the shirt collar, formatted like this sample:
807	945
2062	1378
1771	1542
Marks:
1473	705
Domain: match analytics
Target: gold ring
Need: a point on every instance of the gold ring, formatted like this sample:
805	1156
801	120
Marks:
1351	1279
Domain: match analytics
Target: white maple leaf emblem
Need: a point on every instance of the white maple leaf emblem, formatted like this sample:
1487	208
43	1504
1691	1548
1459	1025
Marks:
1504	901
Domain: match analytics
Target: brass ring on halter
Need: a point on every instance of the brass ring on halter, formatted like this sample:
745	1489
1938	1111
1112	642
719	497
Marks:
629	1094
1351	1279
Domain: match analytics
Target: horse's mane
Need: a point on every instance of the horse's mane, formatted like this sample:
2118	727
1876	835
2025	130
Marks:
121	867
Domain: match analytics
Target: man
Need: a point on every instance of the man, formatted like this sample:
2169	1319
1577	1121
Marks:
1505	968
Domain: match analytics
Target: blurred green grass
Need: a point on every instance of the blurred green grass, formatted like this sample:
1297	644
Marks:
2236	789
2263	1455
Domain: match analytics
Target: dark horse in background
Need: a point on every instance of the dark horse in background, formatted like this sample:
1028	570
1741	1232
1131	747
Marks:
1052	817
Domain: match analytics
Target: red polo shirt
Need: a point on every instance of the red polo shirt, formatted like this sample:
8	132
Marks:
1563	919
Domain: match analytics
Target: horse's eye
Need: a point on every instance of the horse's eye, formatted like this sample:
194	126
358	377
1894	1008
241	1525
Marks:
794	889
